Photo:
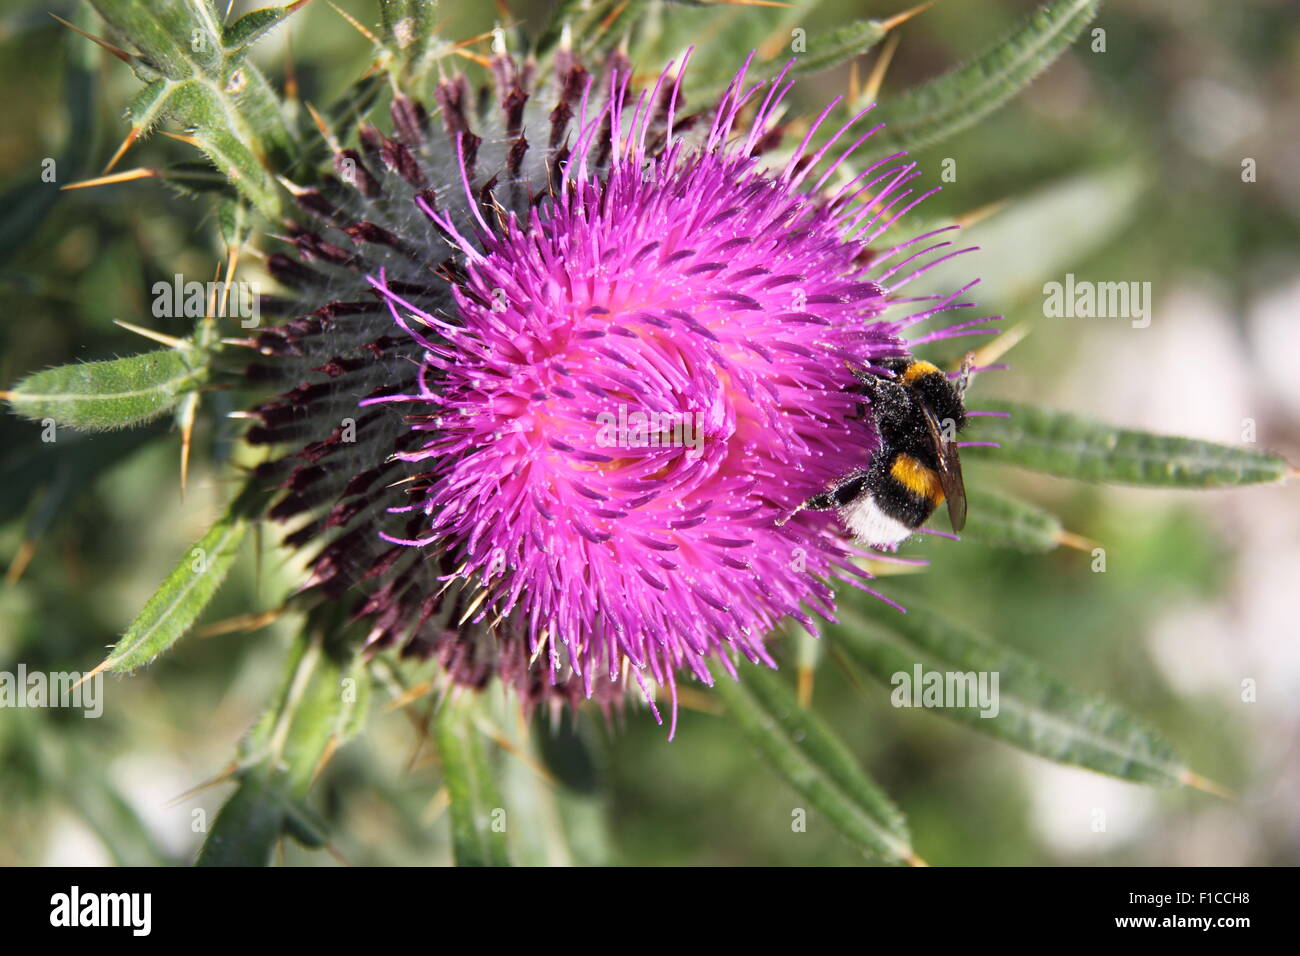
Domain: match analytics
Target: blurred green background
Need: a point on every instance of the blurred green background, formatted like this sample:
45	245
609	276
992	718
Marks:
1117	165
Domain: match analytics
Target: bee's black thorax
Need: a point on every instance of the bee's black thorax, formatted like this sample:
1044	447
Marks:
902	478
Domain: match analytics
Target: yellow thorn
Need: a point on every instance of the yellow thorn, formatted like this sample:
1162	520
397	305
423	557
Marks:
410	696
877	76
205	785
169	340
461	44
131	137
1000	346
297	5
437	807
99	669
473	606
187	438
612	17
804	686
855	89
325	131
231	263
120	54
180	138
888	569
906	15
914	860
755	3
981	213
242	623
331	746
473	57
1196	781
359	28
130	174
1069	539
692	699
26	551
290	73
508	745
333	851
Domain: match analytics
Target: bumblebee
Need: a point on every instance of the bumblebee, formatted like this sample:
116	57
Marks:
917	412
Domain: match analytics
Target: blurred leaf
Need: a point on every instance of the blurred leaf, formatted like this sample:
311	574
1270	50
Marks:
322	701
936	110
409	27
840	44
1003	522
26	466
1072	447
1035	711
809	757
178	602
247	826
112	394
25	207
471	785
1037	235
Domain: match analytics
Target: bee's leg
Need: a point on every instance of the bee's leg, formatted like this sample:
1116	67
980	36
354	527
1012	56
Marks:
845	491
967	373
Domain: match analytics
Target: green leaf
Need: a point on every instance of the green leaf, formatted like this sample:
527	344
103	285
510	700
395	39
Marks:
1034	710
252	26
475	801
176	605
1003	522
1061	444
247	826
808	755
114	394
936	110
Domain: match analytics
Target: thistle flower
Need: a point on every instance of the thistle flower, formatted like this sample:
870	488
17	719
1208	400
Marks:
618	362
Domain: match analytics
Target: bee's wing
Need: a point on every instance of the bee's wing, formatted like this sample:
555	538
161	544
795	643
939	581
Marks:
954	489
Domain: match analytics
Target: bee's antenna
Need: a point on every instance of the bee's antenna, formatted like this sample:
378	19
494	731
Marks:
967	373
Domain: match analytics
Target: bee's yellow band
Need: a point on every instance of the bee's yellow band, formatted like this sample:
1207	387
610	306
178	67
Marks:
917	478
916	370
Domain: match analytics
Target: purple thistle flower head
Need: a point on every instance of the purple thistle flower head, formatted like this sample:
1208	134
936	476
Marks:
645	374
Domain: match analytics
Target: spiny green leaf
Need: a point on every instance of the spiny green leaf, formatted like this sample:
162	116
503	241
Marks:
198	76
1034	710
936	110
252	26
1004	522
1072	447
808	755
95	396
471	784
176	605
